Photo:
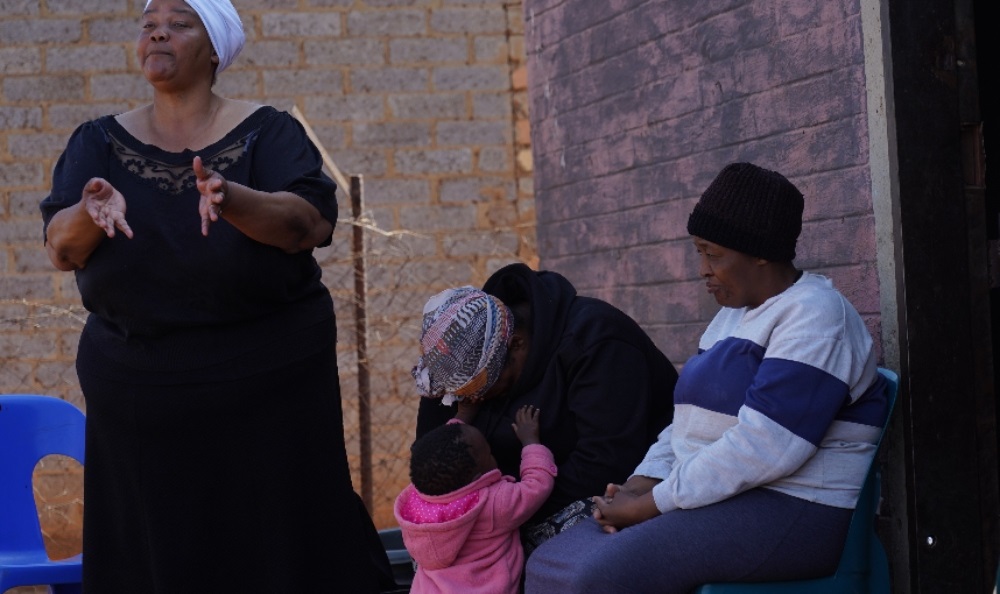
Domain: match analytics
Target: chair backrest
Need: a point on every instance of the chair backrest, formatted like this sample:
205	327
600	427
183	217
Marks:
31	427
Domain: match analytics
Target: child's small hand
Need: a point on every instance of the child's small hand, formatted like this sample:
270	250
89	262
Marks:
526	425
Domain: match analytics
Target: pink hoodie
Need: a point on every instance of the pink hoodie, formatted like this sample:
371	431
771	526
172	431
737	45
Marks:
467	541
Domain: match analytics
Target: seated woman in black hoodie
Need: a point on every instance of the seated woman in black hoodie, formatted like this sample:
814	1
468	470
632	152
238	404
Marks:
605	390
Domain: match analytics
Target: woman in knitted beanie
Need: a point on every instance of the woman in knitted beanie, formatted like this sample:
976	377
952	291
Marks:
776	421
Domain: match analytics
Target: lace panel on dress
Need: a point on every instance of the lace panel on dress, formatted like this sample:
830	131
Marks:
172	178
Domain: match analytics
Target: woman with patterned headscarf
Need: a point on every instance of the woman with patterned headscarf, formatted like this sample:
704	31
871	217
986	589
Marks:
215	448
602	386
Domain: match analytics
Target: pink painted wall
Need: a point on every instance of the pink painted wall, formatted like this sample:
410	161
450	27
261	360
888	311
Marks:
635	106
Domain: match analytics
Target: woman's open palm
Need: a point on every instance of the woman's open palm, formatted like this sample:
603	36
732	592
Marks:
106	206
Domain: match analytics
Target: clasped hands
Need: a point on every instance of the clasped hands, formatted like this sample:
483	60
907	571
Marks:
106	205
625	505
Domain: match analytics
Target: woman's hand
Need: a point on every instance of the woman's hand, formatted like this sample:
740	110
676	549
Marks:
625	505
280	219
106	206
214	189
467	410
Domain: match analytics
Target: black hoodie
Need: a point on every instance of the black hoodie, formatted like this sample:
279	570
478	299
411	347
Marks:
603	388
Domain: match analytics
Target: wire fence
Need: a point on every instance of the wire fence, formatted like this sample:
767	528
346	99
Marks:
378	332
378	322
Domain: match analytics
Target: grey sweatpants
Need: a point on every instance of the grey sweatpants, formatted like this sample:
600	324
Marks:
759	535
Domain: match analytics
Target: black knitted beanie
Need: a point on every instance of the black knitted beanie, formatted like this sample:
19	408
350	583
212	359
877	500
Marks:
751	210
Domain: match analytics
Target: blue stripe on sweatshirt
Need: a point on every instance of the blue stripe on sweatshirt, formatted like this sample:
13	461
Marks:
718	381
799	397
871	408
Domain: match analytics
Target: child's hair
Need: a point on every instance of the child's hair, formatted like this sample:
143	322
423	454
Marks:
441	461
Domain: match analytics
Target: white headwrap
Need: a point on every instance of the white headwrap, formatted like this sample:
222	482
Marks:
224	27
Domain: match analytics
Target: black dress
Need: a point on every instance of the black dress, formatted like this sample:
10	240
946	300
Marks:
215	441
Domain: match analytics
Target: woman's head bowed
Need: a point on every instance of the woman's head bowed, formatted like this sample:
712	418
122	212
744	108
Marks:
463	344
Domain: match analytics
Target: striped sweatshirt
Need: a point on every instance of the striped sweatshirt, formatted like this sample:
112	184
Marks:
784	396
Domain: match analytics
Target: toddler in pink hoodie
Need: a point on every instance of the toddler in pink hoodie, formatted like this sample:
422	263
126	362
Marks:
460	517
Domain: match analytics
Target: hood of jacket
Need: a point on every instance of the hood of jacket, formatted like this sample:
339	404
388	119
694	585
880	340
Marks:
550	296
436	545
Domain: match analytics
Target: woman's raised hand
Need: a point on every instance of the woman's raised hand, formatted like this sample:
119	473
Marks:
214	189
106	206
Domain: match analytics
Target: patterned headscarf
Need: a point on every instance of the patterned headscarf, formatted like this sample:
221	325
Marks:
224	27
463	344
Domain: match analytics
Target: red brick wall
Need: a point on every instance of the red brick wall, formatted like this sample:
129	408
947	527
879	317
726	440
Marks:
425	99
635	106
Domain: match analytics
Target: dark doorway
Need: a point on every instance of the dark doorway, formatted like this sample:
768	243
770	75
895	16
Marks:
948	225
985	44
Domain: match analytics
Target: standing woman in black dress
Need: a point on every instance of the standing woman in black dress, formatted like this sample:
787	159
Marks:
215	443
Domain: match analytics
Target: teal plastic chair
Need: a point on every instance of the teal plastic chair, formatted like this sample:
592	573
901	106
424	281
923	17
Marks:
864	567
32	427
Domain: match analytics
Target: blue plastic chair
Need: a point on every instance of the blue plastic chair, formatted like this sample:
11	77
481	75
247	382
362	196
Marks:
864	567
32	427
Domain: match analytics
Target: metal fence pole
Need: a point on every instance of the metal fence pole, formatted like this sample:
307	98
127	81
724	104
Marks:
361	329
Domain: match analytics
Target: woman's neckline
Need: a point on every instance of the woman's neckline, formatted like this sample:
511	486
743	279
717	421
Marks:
238	131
